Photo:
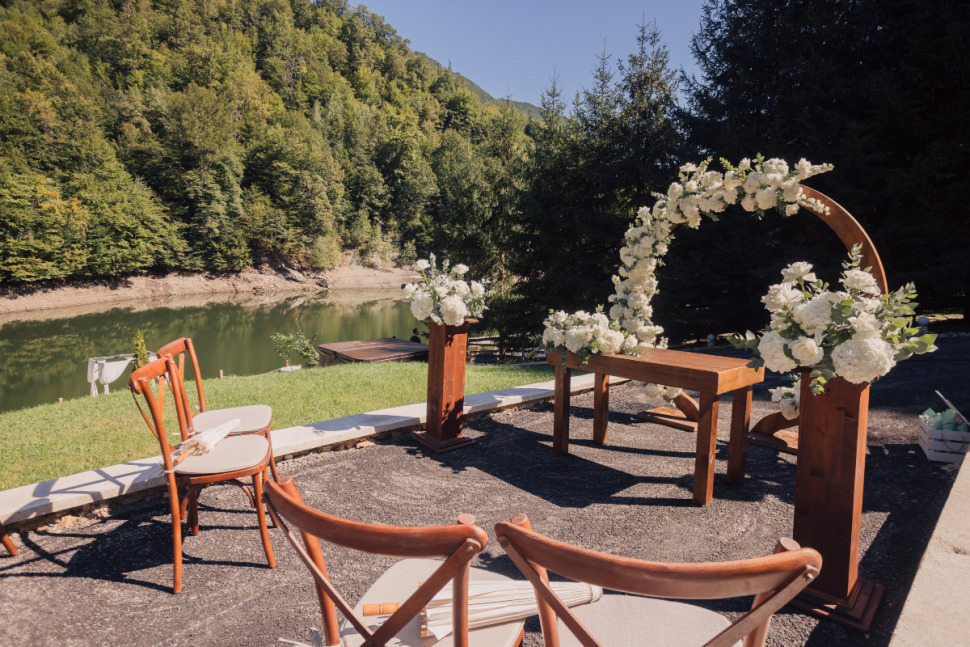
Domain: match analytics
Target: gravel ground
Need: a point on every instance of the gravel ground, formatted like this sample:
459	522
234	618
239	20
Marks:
107	582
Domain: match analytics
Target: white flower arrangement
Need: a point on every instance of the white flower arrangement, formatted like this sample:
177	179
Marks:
444	296
856	333
757	186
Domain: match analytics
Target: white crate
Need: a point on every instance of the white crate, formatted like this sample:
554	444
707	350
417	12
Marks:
943	446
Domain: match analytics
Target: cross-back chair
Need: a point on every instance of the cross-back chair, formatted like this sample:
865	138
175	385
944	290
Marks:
617	620
254	418
233	458
407	586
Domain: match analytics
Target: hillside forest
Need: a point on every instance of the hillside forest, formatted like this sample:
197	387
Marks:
158	135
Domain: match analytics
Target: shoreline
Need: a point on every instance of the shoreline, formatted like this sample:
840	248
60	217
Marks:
62	295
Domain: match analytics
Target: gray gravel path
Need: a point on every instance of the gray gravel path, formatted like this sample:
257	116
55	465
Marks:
107	582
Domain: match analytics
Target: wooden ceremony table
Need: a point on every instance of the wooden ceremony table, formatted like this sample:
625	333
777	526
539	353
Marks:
712	375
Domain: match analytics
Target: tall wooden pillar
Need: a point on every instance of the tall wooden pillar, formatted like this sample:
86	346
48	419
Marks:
828	500
447	346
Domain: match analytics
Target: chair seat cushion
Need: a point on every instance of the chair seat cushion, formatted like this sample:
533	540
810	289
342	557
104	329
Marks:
398	583
255	417
231	454
619	620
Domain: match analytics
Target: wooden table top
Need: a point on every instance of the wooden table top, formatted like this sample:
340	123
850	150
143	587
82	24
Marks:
693	371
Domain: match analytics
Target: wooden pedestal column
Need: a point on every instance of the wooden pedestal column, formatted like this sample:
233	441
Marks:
446	387
828	500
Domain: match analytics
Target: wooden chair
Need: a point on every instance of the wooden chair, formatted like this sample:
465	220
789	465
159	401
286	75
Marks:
230	460
256	418
410	583
629	620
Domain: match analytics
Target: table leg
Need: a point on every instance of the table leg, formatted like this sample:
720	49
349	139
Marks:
706	445
560	417
738	446
601	407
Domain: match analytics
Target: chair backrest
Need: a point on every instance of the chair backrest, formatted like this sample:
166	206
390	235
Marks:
457	544
150	382
773	580
178	350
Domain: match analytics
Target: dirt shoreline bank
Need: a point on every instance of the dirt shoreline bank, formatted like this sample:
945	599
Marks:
58	295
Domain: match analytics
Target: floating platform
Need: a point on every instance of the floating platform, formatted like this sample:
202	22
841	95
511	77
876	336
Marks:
372	350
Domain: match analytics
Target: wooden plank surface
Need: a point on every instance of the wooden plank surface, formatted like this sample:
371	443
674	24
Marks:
372	350
692	371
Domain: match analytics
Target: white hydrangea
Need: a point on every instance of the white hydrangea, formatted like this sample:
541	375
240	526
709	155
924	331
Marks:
422	265
461	269
577	338
611	341
477	289
862	359
815	315
866	325
453	310
772	351
421	305
766	198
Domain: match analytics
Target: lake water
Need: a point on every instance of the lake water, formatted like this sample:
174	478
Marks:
44	355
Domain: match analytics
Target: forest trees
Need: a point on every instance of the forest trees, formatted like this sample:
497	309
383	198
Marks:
589	173
876	87
197	134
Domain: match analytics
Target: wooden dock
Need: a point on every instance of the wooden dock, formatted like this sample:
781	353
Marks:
372	350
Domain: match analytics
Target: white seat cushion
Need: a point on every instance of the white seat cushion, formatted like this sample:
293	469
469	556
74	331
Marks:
398	583
621	620
255	417
230	454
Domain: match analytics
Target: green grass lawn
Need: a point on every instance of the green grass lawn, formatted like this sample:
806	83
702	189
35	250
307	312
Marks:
54	440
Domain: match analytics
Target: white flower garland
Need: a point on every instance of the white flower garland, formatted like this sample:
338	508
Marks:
757	186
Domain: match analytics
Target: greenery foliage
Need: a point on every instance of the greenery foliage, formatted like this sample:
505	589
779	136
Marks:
297	344
195	134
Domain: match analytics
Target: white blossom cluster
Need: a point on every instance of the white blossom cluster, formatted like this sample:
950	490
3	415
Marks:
445	296
855	333
788	398
756	186
586	333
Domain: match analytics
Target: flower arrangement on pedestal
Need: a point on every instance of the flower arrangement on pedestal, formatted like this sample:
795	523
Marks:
756	186
444	296
855	333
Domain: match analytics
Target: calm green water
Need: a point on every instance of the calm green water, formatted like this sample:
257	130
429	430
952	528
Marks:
44	359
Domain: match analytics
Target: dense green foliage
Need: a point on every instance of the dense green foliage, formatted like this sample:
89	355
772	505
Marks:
876	87
202	134
55	440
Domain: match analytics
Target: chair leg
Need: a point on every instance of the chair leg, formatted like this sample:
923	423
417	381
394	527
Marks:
176	536
261	514
7	541
272	457
193	519
272	519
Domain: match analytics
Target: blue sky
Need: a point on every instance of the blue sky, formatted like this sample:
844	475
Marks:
513	48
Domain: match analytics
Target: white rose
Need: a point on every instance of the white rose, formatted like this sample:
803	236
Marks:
422	265
460	269
860	280
748	203
744	164
442	290
478	289
789	408
799	270
461	288
781	296
409	290
806	351
791	210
